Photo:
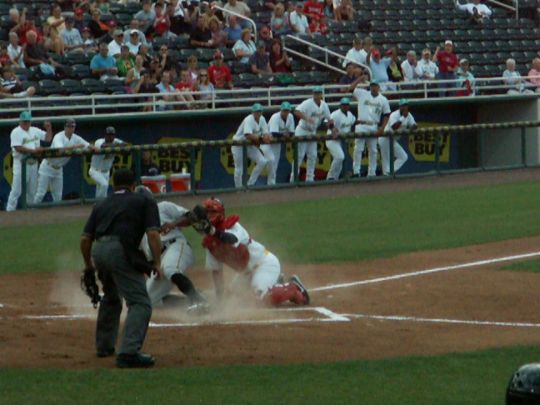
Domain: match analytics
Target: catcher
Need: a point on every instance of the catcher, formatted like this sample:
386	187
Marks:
227	242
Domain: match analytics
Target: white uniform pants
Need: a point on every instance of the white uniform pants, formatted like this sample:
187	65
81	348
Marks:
359	145
254	154
272	153
16	184
55	182
266	274
177	258
102	181
308	149
335	149
400	155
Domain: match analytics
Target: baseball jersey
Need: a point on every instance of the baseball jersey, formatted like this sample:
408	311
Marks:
406	122
60	140
103	163
370	108
250	126
276	125
219	253
343	122
316	112
29	139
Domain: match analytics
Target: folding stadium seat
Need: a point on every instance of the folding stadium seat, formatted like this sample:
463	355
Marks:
23	74
180	42
70	86
4	34
502	46
529	45
132	8
116	8
239	68
93	86
526	23
157	42
186	53
247	80
80	72
114	85
47	87
77	58
123	19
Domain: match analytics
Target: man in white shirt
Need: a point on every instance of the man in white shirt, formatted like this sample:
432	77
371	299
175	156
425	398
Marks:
356	54
399	119
51	170
343	122
311	113
426	69
25	140
15	51
408	67
280	125
115	46
373	111
100	167
255	129
299	22
478	12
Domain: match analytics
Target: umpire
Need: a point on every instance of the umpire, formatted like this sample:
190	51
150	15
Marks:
117	225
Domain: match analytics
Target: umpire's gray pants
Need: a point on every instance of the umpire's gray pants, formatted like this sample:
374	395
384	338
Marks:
119	279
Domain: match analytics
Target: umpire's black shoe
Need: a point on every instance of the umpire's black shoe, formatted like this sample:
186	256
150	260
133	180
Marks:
105	353
138	360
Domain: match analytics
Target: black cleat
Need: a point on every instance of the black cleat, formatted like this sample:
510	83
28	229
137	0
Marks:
296	281
105	353
137	360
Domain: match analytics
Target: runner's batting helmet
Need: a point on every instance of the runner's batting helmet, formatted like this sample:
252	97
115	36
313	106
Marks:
215	210
524	386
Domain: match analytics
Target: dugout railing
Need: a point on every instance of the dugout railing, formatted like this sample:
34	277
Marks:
482	131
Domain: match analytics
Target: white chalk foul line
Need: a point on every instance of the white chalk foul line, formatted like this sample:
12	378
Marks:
443	321
428	271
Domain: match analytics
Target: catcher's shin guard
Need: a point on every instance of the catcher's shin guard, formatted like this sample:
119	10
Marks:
280	293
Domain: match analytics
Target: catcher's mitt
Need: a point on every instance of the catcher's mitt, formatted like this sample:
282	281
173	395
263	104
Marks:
199	219
89	286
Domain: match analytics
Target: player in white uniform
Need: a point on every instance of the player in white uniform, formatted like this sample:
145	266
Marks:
100	167
343	121
227	242
255	129
25	139
281	124
176	256
399	119
51	172
311	113
373	111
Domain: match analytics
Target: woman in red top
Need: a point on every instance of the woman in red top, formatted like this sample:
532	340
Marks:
448	64
162	22
279	60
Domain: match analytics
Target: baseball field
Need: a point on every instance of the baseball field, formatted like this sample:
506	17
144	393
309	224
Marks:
424	291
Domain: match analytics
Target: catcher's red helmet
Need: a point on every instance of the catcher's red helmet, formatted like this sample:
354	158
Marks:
215	210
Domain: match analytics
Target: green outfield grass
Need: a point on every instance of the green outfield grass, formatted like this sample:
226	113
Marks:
466	378
529	266
330	230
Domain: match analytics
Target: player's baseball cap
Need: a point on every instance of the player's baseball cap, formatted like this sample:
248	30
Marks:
257	107
25	116
317	89
110	130
286	106
403	101
345	101
70	122
374	82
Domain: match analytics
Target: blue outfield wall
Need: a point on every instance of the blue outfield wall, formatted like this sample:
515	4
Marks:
214	166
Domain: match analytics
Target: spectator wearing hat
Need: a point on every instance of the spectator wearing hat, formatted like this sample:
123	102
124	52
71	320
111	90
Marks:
134	42
233	30
244	47
448	64
71	36
279	24
260	61
103	65
238	7
299	22
55	20
400	119
356	54
134	26
219	73
466	80
425	68
280	125
279	60
115	46
78	19
378	67
219	36
343	120
201	35
99	28
89	42
146	16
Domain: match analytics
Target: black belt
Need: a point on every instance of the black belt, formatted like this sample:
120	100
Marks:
108	238
166	244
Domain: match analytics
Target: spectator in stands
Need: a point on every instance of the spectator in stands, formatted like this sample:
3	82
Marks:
145	16
115	46
448	64
16	19
356	54
165	61
394	69
98	27
298	20
265	35
15	51
238	7
89	42
244	47
193	70
125	61
279	60
534	75
352	77
133	43
134	26
466	80
313	10
134	76
219	37
233	30
219	73
102	64
328	10
35	54
27	26
201	35
162	22
343	10
184	88
477	11
165	87
378	67
409	67
148	85
512	78
101	5
425	68
204	87
56	21
52	41
318	26
4	57
148	167
180	22
260	61
78	17
71	36
278	23
11	86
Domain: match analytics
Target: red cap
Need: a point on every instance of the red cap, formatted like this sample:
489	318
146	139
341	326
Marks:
79	11
389	52
376	52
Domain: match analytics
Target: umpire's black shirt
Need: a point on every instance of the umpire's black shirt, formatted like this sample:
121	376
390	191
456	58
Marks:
124	214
